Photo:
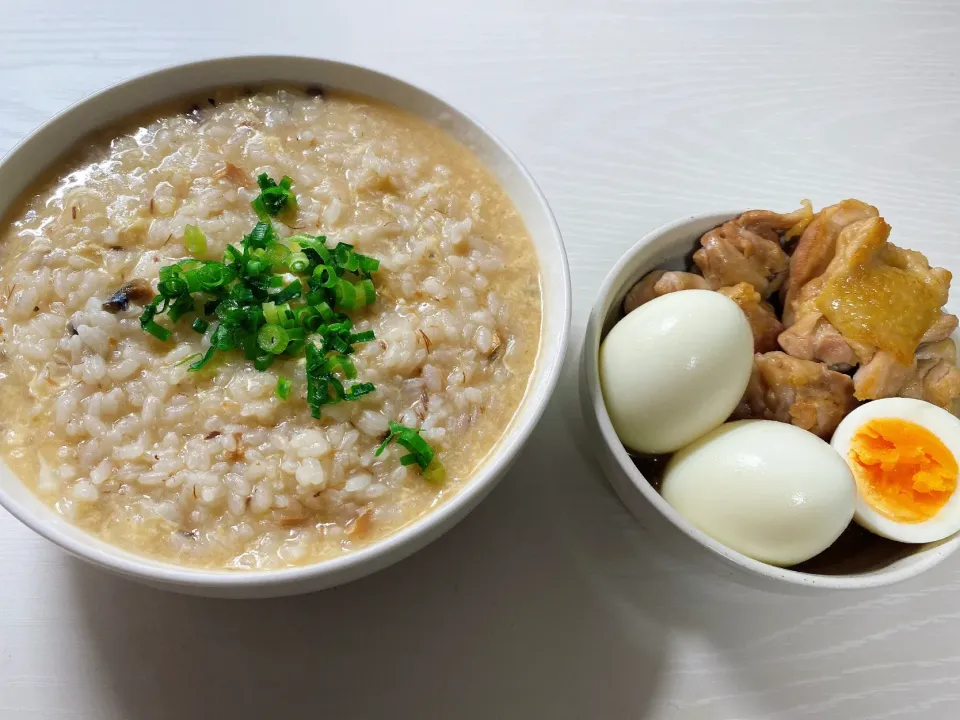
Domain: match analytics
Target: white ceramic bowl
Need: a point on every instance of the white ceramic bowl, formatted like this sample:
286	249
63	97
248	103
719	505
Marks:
857	560
49	142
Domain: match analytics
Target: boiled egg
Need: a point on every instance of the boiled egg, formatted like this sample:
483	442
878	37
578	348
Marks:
903	454
675	368
771	491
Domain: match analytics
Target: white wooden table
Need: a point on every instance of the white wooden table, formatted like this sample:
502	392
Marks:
546	602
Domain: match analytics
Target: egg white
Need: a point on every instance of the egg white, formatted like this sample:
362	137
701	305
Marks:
769	490
939	422
675	368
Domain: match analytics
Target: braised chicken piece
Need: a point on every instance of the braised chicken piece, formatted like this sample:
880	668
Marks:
817	247
932	375
661	282
943	328
760	314
852	301
812	337
877	296
936	378
883	376
748	249
800	392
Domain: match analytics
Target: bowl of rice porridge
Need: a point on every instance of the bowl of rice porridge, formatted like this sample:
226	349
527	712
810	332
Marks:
267	324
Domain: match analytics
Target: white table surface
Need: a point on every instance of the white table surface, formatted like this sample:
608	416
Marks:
546	602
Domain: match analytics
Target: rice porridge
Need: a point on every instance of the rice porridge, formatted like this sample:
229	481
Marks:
211	467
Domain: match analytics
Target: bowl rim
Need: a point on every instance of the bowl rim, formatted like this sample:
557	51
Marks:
610	290
418	532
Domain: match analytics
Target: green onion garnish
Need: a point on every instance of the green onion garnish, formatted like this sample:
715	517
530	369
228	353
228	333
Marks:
149	325
244	304
270	312
277	254
298	263
188	358
326	276
291	291
273	197
204	360
273	338
346	294
194	240
283	388
365	336
419	452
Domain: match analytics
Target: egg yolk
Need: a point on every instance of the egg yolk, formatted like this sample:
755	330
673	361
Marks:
903	471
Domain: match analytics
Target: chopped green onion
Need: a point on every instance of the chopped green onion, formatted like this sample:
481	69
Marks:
286	315
368	264
204	360
326	276
158	331
260	208
241	293
435	473
298	263
223	338
326	312
230	311
273	197
187	359
343	362
314	245
270	312
194	240
365	336
419	449
214	275
295	348
369	291
273	339
261	235
171	282
346	258
261	316
180	307
233	253
290	292
277	254
358	390
417	446
335	343
346	294
262	362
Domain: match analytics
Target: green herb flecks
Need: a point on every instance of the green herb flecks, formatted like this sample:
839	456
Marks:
247	302
419	452
273	198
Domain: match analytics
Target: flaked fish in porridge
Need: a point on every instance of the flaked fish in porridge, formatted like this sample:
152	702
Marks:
264	331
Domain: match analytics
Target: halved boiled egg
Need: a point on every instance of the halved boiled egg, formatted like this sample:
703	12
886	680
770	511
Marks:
903	455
